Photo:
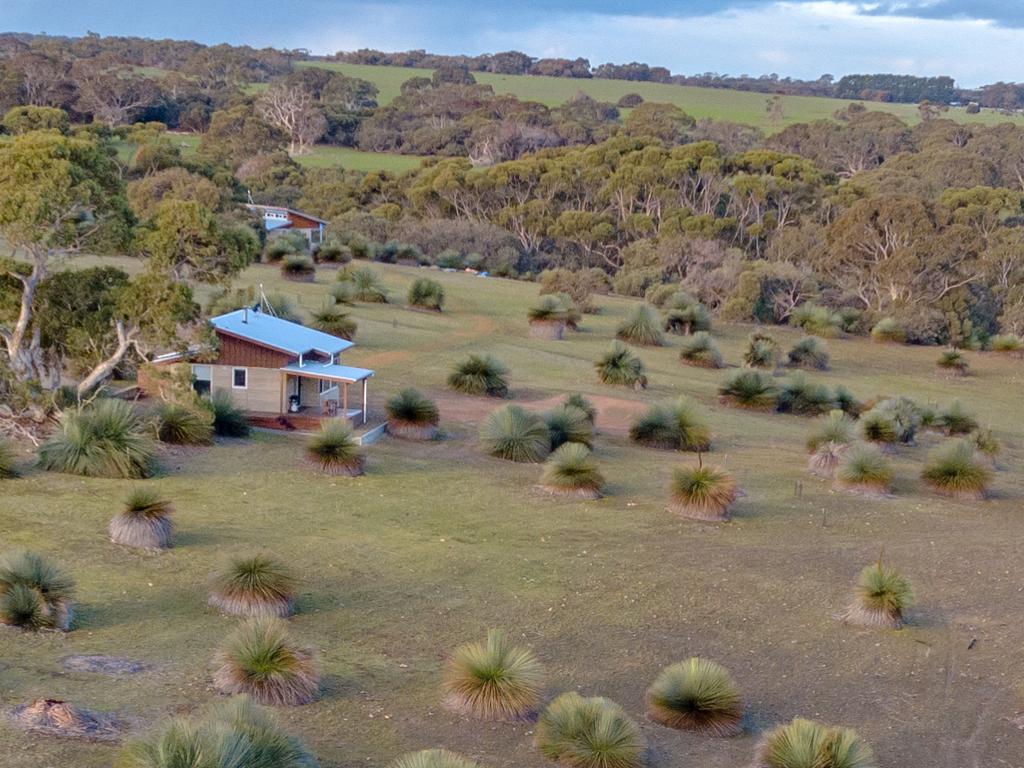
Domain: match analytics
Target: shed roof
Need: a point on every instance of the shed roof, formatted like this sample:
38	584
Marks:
284	335
344	373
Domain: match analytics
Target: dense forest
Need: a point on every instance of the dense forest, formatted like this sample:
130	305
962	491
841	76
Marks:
862	216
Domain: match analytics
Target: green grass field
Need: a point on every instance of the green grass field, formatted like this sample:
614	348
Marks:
438	543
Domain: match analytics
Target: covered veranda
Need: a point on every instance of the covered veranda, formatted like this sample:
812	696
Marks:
323	389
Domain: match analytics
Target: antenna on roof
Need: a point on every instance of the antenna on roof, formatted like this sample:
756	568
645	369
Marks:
265	305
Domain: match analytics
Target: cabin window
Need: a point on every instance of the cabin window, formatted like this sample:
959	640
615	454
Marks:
240	378
201	377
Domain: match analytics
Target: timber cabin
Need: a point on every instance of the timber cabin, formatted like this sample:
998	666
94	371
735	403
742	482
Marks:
278	219
273	368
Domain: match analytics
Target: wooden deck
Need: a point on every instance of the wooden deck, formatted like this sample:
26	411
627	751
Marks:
306	420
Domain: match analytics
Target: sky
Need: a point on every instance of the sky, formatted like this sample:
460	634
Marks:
975	41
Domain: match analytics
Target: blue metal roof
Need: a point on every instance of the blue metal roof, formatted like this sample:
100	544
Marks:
327	371
270	331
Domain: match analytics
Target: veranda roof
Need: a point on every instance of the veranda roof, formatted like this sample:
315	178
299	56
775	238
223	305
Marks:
343	373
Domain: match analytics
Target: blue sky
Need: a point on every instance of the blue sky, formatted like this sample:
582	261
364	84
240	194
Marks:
976	41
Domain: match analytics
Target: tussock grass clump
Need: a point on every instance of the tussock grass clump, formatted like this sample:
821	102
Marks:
835	427
336	321
696	695
882	596
589	733
334	450
433	758
641	326
548	317
479	375
571	471
343	293
105	439
8	461
516	435
34	593
803	397
493	680
366	285
952	362
955	420
846	401
748	389
809	744
412	415
817	321
864	469
809	353
425	293
907	417
261	660
254	585
701	350
954	470
685	315
702	493
179	424
568	424
577	400
1007	343
298	268
679	425
144	522
762	351
986	443
888	330
879	428
228	418
619	366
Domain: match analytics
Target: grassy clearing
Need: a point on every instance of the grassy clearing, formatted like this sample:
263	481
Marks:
439	540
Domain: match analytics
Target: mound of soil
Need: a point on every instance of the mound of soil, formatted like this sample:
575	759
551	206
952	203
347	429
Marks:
104	665
59	718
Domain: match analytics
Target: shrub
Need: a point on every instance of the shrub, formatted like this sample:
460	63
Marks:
34	594
878	427
836	427
334	253
145	521
412	415
298	268
863	469
1006	342
906	415
493	680
700	492
802	397
228	418
953	362
254	585
881	597
955	420
573	315
261	660
696	695
808	744
846	401
479	375
619	366
888	330
686	315
334	450
577	400
366	285
954	470
817	321
343	293
809	353
679	425
762	351
181	425
105	439
986	443
277	249
433	758
450	259
425	293
568	424
516	435
8	460
335	321
641	326
658	294
748	389
701	350
570	471
589	733
547	317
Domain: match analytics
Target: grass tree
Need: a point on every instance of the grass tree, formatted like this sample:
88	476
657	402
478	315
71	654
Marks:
803	397
888	330
817	321
701	492
569	424
577	400
641	326
953	363
749	389
986	444
144	522
34	593
880	599
479	375
956	420
846	401
433	758
809	744
261	659
298	268
228	418
427	294
879	428
679	425
828	441
105	439
254	585
700	350
863	469
547	318
590	732
571	471
685	315
180	424
620	367
762	351
906	416
8	460
332	319
696	695
412	415
955	470
366	285
1007	343
493	679
334	450
809	353
515	434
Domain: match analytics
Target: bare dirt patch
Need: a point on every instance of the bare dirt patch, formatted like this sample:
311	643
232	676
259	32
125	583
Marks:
104	665
60	718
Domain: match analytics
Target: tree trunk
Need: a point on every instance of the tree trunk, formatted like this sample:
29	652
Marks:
126	339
